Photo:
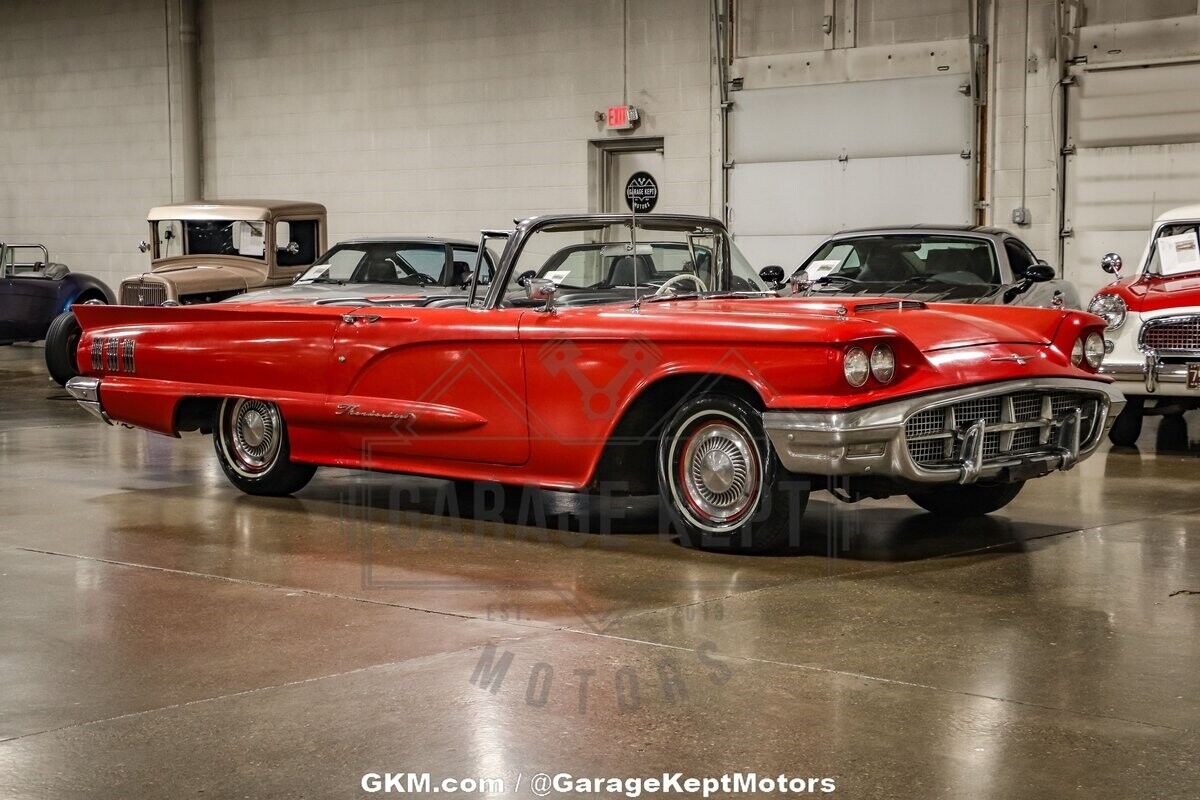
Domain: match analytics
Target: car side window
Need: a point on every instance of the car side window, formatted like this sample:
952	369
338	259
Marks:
302	233
1019	256
467	256
428	259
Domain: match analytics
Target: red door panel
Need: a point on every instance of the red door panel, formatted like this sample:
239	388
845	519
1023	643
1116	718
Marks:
430	383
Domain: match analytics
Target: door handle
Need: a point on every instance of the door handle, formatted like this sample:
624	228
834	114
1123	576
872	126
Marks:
367	319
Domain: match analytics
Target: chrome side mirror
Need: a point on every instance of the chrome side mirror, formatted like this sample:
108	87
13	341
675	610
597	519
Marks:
143	246
1111	263
799	282
541	290
772	276
292	248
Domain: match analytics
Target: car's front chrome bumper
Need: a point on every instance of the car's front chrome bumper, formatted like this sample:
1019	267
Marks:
871	441
1151	373
87	392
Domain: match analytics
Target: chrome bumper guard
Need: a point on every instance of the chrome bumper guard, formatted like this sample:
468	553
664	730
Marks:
87	392
872	442
1151	373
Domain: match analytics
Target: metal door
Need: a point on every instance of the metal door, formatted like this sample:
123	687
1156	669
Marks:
620	165
1133	152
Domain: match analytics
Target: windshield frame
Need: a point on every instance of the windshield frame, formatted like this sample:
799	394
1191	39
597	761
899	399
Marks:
519	237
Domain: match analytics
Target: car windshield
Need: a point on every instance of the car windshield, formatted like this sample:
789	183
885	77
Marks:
594	263
246	238
1182	259
884	261
398	263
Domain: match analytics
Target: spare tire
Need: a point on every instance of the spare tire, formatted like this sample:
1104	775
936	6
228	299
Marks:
62	339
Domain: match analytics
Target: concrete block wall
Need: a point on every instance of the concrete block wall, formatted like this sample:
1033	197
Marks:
85	144
422	117
896	21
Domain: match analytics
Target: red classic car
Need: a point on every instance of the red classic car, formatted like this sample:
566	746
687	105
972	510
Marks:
1153	316
640	354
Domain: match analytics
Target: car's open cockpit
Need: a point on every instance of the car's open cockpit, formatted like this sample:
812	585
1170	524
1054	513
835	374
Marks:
601	259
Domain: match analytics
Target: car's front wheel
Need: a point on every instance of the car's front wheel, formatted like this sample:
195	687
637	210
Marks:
720	481
1128	426
967	501
62	340
252	446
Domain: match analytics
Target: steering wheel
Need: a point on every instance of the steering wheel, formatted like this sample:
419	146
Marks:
674	279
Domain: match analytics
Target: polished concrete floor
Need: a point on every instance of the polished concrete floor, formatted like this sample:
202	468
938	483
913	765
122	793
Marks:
162	635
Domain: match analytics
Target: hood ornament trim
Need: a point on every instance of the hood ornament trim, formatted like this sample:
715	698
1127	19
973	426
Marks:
1019	360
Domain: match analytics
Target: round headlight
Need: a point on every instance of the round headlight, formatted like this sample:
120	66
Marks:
883	363
857	366
1093	350
1077	352
1111	307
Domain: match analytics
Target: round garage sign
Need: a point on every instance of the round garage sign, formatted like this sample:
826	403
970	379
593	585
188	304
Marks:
641	193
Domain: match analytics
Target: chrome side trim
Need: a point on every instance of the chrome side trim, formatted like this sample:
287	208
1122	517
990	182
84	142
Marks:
87	392
871	441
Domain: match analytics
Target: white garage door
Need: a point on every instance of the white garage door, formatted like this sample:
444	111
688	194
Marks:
1136	134
812	160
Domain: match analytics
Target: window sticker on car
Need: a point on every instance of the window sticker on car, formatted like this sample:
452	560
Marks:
1177	254
557	275
819	269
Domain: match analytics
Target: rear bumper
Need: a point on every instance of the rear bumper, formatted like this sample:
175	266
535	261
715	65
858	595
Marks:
87	392
870	442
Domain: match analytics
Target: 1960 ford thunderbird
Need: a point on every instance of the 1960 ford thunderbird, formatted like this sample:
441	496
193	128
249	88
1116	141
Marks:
632	353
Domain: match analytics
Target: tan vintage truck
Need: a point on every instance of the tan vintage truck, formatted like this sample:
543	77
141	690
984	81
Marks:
204	252
207	251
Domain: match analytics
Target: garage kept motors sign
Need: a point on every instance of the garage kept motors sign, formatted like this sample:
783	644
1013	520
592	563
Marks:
641	193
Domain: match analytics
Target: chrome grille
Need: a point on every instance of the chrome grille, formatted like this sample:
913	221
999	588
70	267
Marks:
143	293
985	408
1026	406
1180	335
1026	422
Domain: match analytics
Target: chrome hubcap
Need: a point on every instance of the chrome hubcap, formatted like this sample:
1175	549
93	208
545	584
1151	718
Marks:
255	434
719	472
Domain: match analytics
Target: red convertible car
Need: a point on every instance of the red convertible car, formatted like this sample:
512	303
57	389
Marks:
640	354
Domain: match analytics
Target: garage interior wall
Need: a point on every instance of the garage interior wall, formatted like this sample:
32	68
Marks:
85	141
423	117
444	117
410	117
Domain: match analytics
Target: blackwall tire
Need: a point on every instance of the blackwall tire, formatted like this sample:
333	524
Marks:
251	441
720	482
62	339
1128	425
967	501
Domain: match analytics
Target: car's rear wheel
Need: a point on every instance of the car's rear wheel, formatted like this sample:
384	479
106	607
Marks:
62	340
251	441
967	501
1128	425
720	480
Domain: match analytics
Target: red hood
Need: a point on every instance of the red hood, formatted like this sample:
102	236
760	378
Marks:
1157	293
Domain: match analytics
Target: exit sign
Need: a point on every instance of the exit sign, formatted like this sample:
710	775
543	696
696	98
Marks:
621	118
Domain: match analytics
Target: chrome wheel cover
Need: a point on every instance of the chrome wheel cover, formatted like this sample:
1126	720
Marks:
251	435
719	472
